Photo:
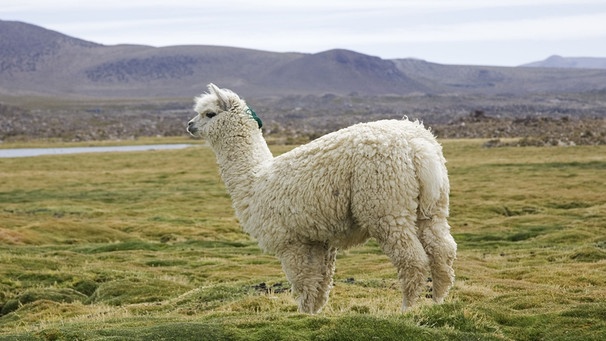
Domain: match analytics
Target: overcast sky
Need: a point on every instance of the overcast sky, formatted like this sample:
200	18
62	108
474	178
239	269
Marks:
478	32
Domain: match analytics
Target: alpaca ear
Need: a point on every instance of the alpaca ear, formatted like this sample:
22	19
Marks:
221	96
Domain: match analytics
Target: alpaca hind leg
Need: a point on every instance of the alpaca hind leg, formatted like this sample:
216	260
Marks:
441	249
309	268
407	255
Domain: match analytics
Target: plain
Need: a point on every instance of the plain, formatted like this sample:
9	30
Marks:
145	245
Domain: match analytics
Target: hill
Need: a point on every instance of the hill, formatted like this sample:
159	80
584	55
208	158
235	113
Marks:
570	62
34	60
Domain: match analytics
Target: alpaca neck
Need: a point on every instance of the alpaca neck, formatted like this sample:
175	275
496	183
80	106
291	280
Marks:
240	158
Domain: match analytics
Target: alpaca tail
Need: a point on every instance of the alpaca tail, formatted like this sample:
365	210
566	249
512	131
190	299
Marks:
432	177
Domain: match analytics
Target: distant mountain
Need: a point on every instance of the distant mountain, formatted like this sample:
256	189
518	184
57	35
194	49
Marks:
343	71
37	61
23	47
570	62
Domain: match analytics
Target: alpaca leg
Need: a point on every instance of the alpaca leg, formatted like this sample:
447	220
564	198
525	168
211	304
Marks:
441	249
309	268
406	253
325	285
328	270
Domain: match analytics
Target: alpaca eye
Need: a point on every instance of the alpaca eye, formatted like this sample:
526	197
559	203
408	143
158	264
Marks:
211	114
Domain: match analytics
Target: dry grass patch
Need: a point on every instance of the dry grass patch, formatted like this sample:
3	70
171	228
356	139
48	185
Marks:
145	245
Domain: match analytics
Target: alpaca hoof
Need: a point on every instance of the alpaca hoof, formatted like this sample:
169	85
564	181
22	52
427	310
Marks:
405	305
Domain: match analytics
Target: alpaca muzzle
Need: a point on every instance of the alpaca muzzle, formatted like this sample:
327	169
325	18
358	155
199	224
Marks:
191	127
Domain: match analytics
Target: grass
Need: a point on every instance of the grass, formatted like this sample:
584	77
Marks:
145	246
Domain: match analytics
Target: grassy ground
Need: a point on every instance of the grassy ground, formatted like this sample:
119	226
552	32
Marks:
145	246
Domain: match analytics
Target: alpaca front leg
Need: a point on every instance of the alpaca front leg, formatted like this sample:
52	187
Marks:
309	268
328	271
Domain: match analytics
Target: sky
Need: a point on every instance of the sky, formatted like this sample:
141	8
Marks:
467	32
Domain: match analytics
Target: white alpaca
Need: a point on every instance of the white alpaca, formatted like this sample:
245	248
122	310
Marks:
385	180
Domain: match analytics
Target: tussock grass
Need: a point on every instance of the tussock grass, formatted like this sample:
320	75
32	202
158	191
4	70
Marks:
145	245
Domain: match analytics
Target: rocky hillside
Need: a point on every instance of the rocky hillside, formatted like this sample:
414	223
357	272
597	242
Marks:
526	131
297	120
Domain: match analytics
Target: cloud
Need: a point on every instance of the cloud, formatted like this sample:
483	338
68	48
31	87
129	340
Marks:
378	27
550	28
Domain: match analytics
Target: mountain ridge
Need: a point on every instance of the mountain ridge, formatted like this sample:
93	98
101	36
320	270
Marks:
557	61
37	61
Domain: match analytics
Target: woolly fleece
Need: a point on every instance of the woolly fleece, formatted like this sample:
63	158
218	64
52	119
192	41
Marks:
386	180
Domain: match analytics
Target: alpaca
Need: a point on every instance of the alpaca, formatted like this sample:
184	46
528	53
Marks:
385	180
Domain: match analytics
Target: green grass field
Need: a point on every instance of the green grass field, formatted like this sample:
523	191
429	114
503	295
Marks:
145	246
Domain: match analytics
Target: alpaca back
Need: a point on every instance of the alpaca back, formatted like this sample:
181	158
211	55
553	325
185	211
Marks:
319	190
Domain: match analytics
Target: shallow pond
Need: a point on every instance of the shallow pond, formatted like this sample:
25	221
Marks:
27	152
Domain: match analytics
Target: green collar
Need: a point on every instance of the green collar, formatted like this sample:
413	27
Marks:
254	116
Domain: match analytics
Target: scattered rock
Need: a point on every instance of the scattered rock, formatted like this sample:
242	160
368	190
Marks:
276	288
524	125
529	131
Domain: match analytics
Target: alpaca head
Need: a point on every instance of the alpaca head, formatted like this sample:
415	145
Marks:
221	109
